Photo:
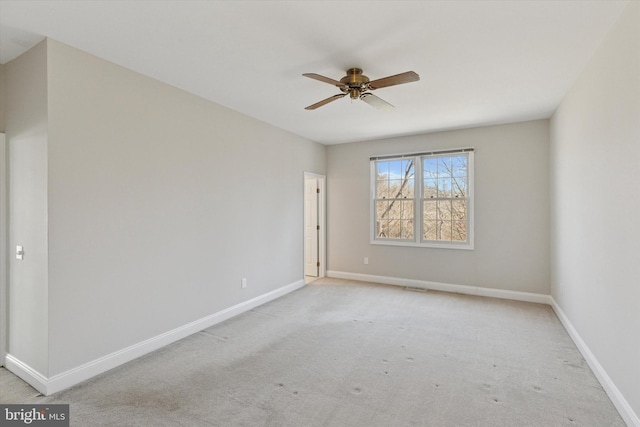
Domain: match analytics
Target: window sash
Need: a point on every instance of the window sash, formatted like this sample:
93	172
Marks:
395	223
445	197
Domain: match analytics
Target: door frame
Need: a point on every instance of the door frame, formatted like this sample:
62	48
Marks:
322	235
4	250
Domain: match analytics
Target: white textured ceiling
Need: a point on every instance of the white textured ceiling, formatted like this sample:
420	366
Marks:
480	62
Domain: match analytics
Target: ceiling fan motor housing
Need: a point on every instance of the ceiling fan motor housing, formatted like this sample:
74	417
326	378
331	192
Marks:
356	82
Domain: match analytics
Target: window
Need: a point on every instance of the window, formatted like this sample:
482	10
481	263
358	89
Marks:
423	199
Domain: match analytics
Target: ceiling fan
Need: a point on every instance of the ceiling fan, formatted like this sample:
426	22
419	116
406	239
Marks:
357	85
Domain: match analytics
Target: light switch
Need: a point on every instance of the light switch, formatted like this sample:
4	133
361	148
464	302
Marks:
19	252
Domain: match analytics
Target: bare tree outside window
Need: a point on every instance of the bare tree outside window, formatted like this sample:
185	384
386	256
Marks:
395	192
445	191
422	199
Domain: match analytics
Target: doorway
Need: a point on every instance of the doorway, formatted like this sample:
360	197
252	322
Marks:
314	226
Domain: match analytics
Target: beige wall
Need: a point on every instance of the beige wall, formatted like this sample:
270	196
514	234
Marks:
595	167
511	211
158	203
26	136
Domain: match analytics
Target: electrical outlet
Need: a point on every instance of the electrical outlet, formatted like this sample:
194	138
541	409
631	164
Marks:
366	261
243	283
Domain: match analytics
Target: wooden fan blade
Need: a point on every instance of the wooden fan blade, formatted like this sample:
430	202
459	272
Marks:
324	79
325	101
376	102
398	79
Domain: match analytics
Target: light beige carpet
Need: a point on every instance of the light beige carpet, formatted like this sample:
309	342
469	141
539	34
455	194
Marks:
342	353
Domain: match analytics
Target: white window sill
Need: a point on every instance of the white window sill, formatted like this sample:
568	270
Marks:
444	245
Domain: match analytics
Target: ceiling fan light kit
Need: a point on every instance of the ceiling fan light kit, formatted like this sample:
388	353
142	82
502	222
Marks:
358	86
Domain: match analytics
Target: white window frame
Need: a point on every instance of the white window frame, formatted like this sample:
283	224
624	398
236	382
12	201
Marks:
417	241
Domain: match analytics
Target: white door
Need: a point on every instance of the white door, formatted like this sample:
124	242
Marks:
311	227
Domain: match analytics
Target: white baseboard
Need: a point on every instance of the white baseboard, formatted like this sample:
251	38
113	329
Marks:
88	370
621	404
81	373
445	287
32	377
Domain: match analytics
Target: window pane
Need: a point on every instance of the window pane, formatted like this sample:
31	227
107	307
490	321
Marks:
444	187
382	210
459	231
443	230
407	168
407	178
395	229
459	210
382	170
395	209
395	186
429	210
430	188
408	190
382	229
429	230
395	169
430	168
459	187
407	210
444	167
407	230
444	209
382	189
459	166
